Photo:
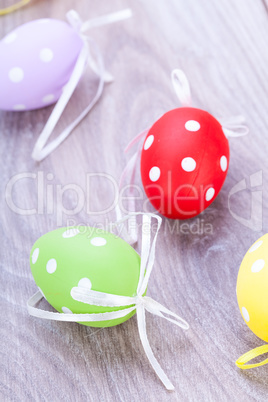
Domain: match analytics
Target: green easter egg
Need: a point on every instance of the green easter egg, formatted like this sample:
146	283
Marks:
86	257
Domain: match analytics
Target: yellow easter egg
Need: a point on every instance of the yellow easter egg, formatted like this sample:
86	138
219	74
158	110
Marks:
252	288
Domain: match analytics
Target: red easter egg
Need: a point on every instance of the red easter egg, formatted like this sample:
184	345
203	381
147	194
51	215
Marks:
184	162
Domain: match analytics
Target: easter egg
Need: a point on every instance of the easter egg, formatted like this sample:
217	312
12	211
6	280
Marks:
85	257
37	60
252	288
184	162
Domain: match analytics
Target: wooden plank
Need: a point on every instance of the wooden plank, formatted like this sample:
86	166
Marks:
222	46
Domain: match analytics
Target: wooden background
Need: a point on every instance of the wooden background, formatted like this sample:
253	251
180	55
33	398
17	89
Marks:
222	46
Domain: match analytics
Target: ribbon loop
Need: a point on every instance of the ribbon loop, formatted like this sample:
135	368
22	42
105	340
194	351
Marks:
181	86
252	354
234	126
138	302
236	131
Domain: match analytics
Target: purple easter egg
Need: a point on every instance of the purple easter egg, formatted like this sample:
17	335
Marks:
37	60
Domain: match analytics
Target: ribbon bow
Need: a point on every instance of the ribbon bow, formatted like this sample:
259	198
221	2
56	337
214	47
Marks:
41	150
139	302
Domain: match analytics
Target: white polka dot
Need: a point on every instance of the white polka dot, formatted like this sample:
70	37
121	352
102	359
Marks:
70	233
148	142
245	314
255	246
223	163
35	255
66	310
192	125
10	38
46	55
98	241
51	266
154	173
210	194
19	107
84	283
16	74
188	164
257	265
48	98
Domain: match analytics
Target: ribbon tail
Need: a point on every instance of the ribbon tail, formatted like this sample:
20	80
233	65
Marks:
244	359
107	19
97	22
40	150
148	351
153	307
107	77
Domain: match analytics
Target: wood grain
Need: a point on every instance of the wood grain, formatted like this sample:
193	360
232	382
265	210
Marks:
222	45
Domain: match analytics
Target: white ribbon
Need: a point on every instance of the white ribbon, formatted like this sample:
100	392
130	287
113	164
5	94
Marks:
234	127
41	150
139	302
107	19
131	235
181	86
